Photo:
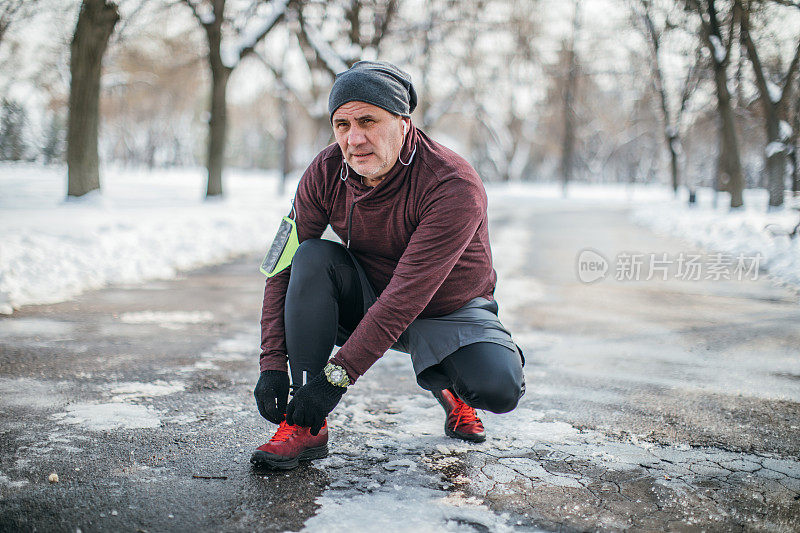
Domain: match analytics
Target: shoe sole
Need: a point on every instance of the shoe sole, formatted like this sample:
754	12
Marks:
277	462
472	437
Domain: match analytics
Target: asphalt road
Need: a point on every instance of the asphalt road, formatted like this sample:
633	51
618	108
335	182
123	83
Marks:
651	405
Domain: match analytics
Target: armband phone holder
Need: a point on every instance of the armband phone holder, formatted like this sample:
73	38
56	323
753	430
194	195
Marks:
280	254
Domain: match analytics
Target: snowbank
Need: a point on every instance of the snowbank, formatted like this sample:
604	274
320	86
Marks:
750	231
145	225
152	225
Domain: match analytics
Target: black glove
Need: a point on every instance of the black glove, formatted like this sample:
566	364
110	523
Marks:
272	393
313	402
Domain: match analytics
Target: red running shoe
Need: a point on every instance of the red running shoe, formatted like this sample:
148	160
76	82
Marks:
462	420
291	444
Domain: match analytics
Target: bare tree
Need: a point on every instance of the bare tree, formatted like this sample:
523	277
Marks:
247	28
285	93
367	23
571	65
95	25
774	98
671	119
15	11
794	143
731	176
328	53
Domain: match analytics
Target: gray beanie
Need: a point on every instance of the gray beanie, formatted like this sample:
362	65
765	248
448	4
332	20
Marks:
375	82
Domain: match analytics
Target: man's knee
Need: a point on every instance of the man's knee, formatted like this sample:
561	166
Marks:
310	263
501	401
314	258
314	253
498	395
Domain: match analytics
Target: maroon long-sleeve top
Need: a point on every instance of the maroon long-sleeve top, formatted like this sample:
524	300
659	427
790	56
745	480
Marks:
421	236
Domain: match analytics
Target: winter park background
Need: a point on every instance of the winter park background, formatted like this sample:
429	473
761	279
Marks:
592	124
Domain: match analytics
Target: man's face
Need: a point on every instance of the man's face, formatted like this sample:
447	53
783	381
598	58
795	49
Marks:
370	137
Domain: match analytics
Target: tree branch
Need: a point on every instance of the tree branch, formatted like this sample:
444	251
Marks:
326	56
787	82
391	9
690	83
280	7
752	53
788	3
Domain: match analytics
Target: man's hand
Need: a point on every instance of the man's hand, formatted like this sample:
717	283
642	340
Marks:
272	393
313	402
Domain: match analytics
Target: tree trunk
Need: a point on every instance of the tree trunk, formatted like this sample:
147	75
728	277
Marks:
672	141
96	23
775	159
568	142
670	131
730	162
217	129
795	146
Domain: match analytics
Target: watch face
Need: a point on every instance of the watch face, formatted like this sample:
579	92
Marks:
337	374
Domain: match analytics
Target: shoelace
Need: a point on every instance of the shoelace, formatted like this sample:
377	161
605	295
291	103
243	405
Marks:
465	413
284	432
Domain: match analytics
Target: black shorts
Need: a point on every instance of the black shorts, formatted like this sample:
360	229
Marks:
430	340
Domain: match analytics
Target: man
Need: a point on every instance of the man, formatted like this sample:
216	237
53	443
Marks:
414	273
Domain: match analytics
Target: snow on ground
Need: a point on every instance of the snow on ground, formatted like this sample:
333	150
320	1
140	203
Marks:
390	459
152	225
144	225
167	320
750	231
109	416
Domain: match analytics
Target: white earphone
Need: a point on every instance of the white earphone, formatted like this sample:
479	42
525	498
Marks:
405	128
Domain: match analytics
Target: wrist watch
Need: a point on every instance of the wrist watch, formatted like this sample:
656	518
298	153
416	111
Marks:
336	375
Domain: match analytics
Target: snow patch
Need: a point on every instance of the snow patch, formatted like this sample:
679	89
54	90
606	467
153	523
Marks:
29	393
5	481
145	225
35	327
719	49
742	232
167	318
134	389
775	92
109	416
239	348
784	130
774	147
404	508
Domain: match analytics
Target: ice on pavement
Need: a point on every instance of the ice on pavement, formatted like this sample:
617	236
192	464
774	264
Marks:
384	452
28	392
167	318
134	389
109	416
392	467
5	481
123	405
404	507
